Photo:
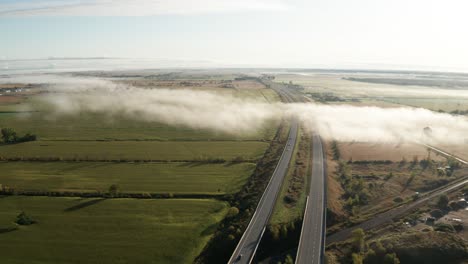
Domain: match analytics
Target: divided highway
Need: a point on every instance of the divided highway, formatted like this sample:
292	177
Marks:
311	244
248	244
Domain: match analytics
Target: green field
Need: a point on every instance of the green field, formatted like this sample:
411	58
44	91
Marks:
100	127
74	230
435	104
136	150
138	177
284	212
88	152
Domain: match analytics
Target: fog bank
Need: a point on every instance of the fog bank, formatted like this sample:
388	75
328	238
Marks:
229	114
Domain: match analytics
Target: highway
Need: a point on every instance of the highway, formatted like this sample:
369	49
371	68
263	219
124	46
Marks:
248	244
311	244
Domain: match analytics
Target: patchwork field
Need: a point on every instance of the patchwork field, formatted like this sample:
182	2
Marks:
89	152
74	230
134	178
433	93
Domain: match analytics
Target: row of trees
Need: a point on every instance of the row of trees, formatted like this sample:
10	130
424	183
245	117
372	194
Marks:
375	253
356	191
9	136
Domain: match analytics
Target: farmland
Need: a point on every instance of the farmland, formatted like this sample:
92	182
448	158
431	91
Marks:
395	152
75	230
135	150
173	177
87	152
358	89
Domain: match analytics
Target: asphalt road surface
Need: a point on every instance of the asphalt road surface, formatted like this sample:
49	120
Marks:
245	250
248	244
311	244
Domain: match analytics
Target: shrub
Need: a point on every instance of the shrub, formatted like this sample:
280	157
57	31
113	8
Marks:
289	260
458	227
357	258
23	219
391	258
437	213
442	202
444	228
9	136
233	211
335	150
114	190
358	236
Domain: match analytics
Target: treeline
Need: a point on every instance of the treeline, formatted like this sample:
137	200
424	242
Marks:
9	136
243	205
125	160
356	192
5	190
281	237
454	112
375	252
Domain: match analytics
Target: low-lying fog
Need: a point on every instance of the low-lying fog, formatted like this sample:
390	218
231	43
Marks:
230	114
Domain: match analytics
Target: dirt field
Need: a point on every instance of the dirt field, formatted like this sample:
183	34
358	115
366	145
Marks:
383	151
460	151
336	212
8	99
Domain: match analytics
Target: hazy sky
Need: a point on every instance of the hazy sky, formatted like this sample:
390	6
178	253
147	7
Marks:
294	33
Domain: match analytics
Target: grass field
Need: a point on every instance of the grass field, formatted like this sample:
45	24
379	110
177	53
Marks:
143	177
136	150
287	212
99	127
84	148
442	97
435	104
74	230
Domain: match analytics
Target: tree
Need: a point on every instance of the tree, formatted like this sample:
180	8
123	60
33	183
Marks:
9	135
336	150
358	236
23	219
391	258
357	258
371	257
27	137
114	190
443	201
380	250
275	231
289	260
233	211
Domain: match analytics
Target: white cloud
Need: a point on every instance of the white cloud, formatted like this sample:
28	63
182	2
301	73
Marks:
136	7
